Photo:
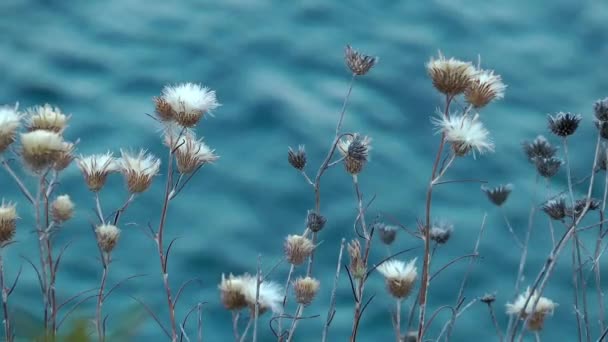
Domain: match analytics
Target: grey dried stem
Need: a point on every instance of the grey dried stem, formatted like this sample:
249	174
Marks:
8	329
332	302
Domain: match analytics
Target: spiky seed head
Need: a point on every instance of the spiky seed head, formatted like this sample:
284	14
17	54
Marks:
548	167
270	296
580	204
357	62
450	76
564	124
602	127
96	168
66	157
305	290
441	232
185	103
355	149
10	120
297	249
555	208
232	291
538	148
8	222
192	153
315	221
519	308
297	158
488	298
357	267
138	169
499	194
46	117
62	208
387	233
41	149
466	133
107	236
600	109
485	87
399	276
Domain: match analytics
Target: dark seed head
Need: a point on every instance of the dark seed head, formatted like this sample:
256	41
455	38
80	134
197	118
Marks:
441	232
499	194
314	221
602	127
548	167
555	208
564	124
297	159
580	204
488	298
386	232
602	158
600	109
539	148
358	63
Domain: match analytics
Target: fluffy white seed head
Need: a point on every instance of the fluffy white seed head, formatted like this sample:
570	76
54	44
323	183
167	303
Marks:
192	153
305	289
46	117
232	291
297	249
466	134
41	148
107	237
450	76
8	222
10	120
185	103
544	308
96	168
138	169
270	295
62	208
399	276
484	88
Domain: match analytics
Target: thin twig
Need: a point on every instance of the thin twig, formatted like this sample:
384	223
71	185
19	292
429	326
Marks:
332	301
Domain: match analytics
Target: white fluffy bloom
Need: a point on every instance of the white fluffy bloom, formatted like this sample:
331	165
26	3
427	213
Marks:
270	295
96	168
545	306
189	102
40	148
397	269
10	120
138	169
484	88
107	236
47	117
191	153
466	133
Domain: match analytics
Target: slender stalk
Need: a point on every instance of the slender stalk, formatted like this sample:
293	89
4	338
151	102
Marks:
256	315
247	327
495	322
398	320
596	262
280	319
100	297
17	180
332	302
41	246
508	223
235	325
294	323
8	331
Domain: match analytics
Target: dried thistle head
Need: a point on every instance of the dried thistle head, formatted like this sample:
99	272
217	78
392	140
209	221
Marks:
62	208
399	277
185	103
563	124
305	290
488	298
539	148
484	88
66	156
8	222
580	204
465	133
602	127
96	168
191	154
47	118
498	195
315	221
357	62
232	291
450	76
355	149
270	296
548	167
544	308
441	232
297	158
357	267
107	237
41	149
10	121
600	109
297	249
555	208
138	169
387	233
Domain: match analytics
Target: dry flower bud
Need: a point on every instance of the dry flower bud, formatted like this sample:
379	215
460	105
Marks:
65	158
47	118
314	221
499	194
548	167
441	232
163	109
8	222
555	208
232	291
358	63
191	154
564	124
96	169
355	149
297	159
488	298
357	267
411	336
386	233
543	308
450	76
41	149
539	148
484	88
185	103
62	208
138	169
107	237
10	120
297	249
305	289
399	276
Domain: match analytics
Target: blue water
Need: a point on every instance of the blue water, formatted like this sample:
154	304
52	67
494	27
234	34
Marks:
278	70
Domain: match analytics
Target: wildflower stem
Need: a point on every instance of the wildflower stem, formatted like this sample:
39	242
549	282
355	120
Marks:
398	320
424	285
100	298
235	324
346	98
495	322
332	302
294	323
98	207
8	333
22	187
247	327
41	246
258	281
510	227
596	259
280	319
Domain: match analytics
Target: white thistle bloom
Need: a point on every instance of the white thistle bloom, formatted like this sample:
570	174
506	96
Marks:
138	169
186	103
465	133
544	307
232	291
10	120
270	295
96	168
400	277
107	236
47	117
192	153
484	88
450	76
41	148
62	208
